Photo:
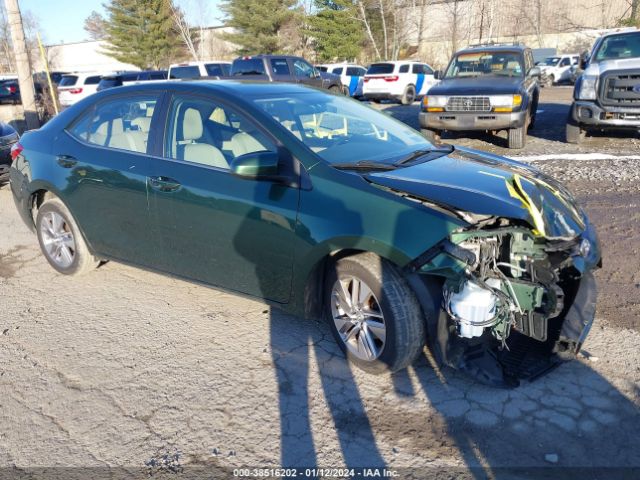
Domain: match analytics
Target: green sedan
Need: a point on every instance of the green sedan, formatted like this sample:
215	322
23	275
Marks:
324	207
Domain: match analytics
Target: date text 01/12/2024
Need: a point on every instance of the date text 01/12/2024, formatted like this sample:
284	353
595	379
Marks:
314	473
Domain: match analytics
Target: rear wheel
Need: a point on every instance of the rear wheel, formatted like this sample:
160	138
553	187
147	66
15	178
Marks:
373	314
61	241
432	135
409	95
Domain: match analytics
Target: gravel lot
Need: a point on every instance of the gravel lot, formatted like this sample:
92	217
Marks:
126	368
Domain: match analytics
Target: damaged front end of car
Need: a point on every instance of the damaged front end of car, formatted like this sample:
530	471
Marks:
517	293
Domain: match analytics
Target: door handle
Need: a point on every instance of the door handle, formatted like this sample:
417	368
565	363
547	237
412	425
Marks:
66	161
164	184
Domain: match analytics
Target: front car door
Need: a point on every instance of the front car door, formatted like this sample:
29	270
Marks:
215	227
104	155
305	73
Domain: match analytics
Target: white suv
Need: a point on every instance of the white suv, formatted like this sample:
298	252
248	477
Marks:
558	69
212	68
403	81
73	87
351	75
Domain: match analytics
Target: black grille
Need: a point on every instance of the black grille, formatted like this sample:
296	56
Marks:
468	104
621	88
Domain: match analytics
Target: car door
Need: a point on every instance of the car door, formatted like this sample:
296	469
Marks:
103	157
425	78
280	69
215	227
564	68
305	73
354	80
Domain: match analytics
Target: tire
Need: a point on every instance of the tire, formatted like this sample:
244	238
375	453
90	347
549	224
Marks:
432	135
391	297
518	136
551	80
335	89
574	133
409	95
58	233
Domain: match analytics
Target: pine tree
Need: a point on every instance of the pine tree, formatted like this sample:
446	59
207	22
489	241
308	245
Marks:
336	32
257	24
142	32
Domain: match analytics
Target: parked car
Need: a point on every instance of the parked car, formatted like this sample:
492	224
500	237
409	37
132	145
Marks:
284	68
558	69
41	78
187	70
8	138
607	94
324	207
401	81
124	78
10	92
351	75
487	88
74	87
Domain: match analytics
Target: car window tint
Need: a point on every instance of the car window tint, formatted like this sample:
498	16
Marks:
428	70
94	80
303	69
565	62
203	132
404	68
192	71
122	123
280	66
353	71
214	70
68	80
338	70
416	68
380	68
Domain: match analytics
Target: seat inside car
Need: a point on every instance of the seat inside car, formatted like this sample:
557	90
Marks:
192	148
111	133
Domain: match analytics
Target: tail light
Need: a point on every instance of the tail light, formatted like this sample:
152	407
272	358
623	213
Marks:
392	78
15	151
74	91
12	89
366	79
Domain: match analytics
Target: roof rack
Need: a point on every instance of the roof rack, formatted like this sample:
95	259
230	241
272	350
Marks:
496	44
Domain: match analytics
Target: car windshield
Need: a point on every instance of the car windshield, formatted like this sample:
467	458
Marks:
476	64
191	71
550	62
341	130
626	45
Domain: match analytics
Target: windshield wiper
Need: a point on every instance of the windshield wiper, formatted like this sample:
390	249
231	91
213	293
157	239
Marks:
364	165
426	155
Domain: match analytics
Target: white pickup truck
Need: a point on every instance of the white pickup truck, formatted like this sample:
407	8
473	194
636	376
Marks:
557	69
607	94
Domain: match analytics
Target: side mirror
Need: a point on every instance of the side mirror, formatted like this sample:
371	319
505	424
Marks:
437	75
584	60
535	72
256	165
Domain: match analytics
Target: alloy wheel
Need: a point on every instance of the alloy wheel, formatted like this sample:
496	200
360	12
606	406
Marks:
57	239
358	318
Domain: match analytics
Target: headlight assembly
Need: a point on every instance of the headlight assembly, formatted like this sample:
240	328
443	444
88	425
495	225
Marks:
588	88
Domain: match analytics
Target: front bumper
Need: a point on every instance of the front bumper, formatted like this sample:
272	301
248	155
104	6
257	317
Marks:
590	114
462	121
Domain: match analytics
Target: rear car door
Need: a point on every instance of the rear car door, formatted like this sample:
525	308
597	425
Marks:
215	227
103	155
280	69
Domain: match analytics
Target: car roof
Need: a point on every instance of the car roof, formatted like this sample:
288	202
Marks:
494	48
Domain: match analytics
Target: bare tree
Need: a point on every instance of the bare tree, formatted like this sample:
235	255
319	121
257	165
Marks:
94	26
27	90
185	31
367	25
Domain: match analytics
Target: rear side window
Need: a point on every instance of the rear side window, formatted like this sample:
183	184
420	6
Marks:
157	75
380	69
280	66
68	80
247	66
337	70
214	69
94	80
122	123
190	71
404	68
109	82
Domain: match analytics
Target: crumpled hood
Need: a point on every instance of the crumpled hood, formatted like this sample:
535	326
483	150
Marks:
484	184
598	68
488	85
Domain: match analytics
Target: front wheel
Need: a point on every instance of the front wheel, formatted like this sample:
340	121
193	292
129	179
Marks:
373	314
574	133
61	241
518	136
432	135
409	95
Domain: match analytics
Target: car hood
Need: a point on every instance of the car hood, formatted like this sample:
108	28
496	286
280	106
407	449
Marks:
474	182
490	85
597	68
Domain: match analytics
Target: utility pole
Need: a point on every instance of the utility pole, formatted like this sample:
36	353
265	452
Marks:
27	90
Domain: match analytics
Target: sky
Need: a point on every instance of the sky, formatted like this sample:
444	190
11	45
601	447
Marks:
62	21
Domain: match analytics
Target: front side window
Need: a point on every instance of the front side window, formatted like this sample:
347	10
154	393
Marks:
337	70
122	123
565	62
626	45
340	130
417	68
303	69
204	132
477	64
404	68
